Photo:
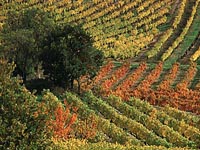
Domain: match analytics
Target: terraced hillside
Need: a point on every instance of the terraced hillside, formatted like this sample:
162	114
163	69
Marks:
139	123
147	94
121	29
158	84
161	30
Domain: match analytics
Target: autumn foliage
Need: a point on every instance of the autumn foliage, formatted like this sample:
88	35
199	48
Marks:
121	90
86	129
119	73
63	121
103	72
165	84
181	97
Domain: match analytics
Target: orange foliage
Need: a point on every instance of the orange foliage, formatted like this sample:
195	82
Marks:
121	90
150	79
118	74
143	90
104	71
188	77
180	97
62	123
165	84
87	128
85	85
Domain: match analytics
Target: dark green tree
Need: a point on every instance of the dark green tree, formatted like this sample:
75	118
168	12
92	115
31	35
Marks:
69	54
21	37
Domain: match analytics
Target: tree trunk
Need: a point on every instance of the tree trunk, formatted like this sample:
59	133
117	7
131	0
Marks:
24	76
72	84
38	73
25	66
79	86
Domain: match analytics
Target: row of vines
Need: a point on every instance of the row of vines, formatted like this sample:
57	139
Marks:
137	122
125	83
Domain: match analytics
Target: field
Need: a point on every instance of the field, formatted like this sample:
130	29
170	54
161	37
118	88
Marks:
147	93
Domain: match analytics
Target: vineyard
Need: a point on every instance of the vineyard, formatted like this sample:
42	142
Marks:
142	29
156	84
147	93
138	123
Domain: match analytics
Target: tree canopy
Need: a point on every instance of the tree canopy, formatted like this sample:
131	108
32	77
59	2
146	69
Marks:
21	37
68	54
31	37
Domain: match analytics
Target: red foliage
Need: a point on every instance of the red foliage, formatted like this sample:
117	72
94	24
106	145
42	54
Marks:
180	97
104	71
165	84
63	121
118	74
126	85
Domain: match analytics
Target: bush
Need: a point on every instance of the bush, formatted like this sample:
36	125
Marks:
21	127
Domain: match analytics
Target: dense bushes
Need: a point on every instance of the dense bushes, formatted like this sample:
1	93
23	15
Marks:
21	127
29	122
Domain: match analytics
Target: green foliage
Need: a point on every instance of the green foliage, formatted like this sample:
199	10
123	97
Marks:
21	127
152	123
51	102
21	36
104	125
69	54
74	144
68	51
122	121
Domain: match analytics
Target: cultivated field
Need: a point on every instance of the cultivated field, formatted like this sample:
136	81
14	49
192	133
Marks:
147	93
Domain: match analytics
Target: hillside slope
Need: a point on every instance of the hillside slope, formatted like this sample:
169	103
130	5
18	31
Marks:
137	122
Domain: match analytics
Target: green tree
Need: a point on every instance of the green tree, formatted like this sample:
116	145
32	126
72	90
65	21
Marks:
68	54
21	37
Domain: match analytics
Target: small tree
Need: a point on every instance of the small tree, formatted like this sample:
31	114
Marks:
21	36
69	54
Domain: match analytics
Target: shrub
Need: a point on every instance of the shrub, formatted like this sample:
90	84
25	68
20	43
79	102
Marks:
21	127
86	129
63	121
